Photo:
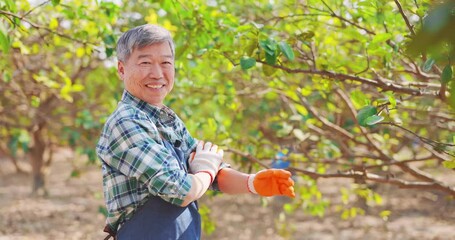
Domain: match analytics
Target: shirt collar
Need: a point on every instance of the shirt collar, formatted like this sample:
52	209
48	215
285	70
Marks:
163	113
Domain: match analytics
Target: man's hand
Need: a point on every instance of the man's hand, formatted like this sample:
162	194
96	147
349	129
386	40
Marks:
272	182
206	159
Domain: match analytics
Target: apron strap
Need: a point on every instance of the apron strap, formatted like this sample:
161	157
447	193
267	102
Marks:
111	233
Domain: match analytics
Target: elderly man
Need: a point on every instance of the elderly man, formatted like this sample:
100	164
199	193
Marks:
153	169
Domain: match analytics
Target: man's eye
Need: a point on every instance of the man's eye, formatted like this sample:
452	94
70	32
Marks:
145	63
167	63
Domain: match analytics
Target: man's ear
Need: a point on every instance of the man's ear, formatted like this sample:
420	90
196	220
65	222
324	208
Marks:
120	69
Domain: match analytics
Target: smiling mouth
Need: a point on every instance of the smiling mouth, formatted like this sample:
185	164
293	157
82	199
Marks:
155	86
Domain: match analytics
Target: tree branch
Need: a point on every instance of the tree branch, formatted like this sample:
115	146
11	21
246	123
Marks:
405	18
353	113
403	161
327	123
402	165
379	179
385	84
430	185
438	146
332	13
37	26
33	9
247	156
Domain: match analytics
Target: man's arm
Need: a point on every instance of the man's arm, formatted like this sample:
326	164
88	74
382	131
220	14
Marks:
132	148
204	166
200	183
268	182
231	181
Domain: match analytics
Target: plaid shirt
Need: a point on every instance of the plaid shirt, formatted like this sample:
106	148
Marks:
135	161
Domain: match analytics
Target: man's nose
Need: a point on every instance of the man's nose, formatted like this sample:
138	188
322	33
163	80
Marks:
155	71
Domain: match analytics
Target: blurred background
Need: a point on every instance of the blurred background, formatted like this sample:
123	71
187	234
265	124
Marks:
356	98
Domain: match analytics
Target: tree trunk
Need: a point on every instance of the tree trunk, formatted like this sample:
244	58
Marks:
37	161
12	158
39	145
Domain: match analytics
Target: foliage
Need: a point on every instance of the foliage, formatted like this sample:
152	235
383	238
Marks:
337	89
316	74
54	77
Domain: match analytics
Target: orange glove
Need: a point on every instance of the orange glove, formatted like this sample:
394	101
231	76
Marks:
271	182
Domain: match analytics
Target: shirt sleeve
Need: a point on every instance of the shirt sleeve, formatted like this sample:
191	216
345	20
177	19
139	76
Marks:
188	140
136	150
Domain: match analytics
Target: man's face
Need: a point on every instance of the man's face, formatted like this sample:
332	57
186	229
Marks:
149	72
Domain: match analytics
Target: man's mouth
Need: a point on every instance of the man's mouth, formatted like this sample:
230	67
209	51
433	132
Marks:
155	86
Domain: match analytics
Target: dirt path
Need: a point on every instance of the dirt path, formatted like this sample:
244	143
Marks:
71	211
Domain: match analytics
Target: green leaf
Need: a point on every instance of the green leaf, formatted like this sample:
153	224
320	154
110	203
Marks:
13	145
289	208
301	109
77	87
5	42
7	76
380	17
359	98
35	101
269	70
109	40
53	23
247	63
446	75
55	2
11	5
109	52
208	225
452	94
385	214
382	37
287	50
250	47
75	173
428	64
269	46
449	164
365	113
103	210
391	98
393	101
270	59
372	120
91	154
305	36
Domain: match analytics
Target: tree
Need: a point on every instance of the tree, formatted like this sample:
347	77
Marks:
327	89
52	74
334	87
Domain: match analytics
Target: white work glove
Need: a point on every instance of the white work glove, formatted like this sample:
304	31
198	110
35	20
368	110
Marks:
206	159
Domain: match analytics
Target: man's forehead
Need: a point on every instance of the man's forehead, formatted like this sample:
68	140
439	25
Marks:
164	52
147	55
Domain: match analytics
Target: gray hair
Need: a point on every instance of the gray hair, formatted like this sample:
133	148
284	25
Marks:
142	36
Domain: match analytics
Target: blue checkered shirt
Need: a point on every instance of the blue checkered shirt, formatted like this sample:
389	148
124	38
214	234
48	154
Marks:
135	161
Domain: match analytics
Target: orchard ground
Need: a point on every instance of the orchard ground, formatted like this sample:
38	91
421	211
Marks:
72	210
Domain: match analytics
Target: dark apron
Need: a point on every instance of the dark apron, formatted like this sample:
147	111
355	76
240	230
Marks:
160	220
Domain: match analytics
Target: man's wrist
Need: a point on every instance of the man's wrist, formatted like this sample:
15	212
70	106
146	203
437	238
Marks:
250	183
